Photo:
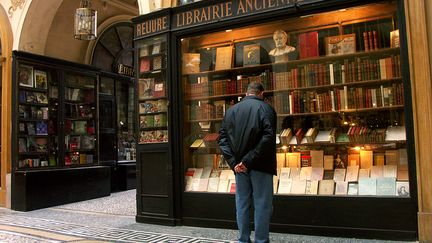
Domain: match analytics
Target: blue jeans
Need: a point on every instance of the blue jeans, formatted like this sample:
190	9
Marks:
256	187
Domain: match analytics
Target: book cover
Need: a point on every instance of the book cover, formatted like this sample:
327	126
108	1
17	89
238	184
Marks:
79	127
295	174
317	158
293	160
367	187
328	162
298	187
25	75
223	58
376	171
87	142
328	175
191	63
386	186
159	89
41	98
339	174
341	188
144	50
402	189
311	188
308	44
31	128
280	160
145	88
41	128
156	48
390	171
213	184
41	80
353	159
353	189
366	159
306	173
223	185
326	187
364	173
341	44
352	173
317	173
285	186
284	173
251	55
144	65
394	39
157	63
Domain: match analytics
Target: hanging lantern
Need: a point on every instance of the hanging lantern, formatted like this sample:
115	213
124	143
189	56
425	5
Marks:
85	21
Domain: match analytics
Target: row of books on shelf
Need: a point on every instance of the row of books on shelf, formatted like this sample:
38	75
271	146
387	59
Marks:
154	136
33	112
354	134
348	71
79	95
77	158
153	106
149	121
149	88
223	180
32	144
214	110
33	97
33	128
365	159
308	47
151	49
295	102
149	64
79	127
79	111
37	162
80	142
203	87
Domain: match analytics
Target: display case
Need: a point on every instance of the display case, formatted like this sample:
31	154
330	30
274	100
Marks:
152	90
54	131
337	90
154	148
335	79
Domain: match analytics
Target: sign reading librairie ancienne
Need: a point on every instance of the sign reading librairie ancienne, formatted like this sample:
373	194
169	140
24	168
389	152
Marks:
227	10
223	10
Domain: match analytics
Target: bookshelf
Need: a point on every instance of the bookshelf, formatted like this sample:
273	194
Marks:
152	91
45	118
342	85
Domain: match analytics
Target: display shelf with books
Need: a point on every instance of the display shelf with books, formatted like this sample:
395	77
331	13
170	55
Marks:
79	119
338	94
152	91
35	138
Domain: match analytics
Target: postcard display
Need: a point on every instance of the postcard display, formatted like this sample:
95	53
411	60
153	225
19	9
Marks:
55	121
338	92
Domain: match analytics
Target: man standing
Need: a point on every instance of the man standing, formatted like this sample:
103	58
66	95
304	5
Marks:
247	140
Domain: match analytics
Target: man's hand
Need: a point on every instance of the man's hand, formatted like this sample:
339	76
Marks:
240	168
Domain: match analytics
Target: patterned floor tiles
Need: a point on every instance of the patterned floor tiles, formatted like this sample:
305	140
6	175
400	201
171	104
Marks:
82	232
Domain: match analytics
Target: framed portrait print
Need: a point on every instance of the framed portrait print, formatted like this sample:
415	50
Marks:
25	75
40	78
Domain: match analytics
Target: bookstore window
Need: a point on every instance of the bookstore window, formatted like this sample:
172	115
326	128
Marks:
337	89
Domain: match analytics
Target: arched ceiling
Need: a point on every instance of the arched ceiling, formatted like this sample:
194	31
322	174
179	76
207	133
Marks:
49	26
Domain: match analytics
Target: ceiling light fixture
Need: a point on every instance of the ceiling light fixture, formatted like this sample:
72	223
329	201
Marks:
85	21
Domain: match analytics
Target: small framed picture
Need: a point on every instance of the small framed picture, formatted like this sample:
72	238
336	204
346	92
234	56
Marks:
41	80
25	75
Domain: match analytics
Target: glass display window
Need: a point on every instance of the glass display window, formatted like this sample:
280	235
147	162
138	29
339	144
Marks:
152	90
335	82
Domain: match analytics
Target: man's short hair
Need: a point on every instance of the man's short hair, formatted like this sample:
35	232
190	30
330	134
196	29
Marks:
280	32
255	88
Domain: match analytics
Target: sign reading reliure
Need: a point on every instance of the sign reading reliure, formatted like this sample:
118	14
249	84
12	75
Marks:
227	10
151	26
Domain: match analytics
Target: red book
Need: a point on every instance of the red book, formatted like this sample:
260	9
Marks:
365	40
145	65
308	44
375	39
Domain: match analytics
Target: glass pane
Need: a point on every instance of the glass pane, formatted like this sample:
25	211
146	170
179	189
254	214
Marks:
125	125
337	90
152	91
79	125
106	86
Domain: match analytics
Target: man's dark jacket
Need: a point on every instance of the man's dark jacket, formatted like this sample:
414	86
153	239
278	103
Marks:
248	135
